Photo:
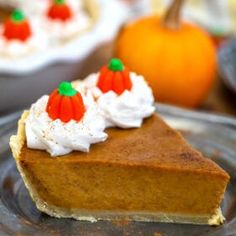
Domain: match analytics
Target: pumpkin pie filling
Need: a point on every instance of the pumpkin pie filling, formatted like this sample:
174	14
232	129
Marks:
146	174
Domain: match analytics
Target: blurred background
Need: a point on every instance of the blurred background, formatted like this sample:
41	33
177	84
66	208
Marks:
185	49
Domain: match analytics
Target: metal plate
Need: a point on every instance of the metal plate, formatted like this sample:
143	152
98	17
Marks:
214	135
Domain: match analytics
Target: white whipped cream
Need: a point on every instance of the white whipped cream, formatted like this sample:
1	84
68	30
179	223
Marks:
126	110
15	48
60	138
60	30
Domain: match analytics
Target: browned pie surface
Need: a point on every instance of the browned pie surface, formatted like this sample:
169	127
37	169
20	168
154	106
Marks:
147	169
154	145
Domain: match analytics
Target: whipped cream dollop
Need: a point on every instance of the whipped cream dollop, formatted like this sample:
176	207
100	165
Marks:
66	30
126	110
60	138
15	48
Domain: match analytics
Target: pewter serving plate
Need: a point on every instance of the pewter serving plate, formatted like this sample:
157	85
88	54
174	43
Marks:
214	135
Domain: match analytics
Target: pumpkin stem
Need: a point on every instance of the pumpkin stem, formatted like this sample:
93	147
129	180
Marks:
171	19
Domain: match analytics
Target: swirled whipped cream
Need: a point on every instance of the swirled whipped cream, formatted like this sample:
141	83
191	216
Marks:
126	110
60	138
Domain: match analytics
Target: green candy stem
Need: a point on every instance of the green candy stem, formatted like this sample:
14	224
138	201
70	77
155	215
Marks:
115	65
66	89
17	16
59	2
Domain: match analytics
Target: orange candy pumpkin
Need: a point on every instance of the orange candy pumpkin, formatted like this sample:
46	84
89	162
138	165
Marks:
65	103
178	59
59	10
17	27
114	76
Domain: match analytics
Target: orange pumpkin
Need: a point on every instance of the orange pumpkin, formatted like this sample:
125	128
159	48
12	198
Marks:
59	10
17	27
65	103
177	58
115	77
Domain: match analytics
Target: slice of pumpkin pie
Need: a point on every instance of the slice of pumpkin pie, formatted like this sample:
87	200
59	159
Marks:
141	170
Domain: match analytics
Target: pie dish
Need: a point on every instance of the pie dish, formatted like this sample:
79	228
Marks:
148	173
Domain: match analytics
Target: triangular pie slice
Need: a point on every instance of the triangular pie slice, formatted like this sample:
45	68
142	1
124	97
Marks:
144	174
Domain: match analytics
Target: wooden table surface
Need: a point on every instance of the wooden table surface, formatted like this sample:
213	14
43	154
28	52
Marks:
220	99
